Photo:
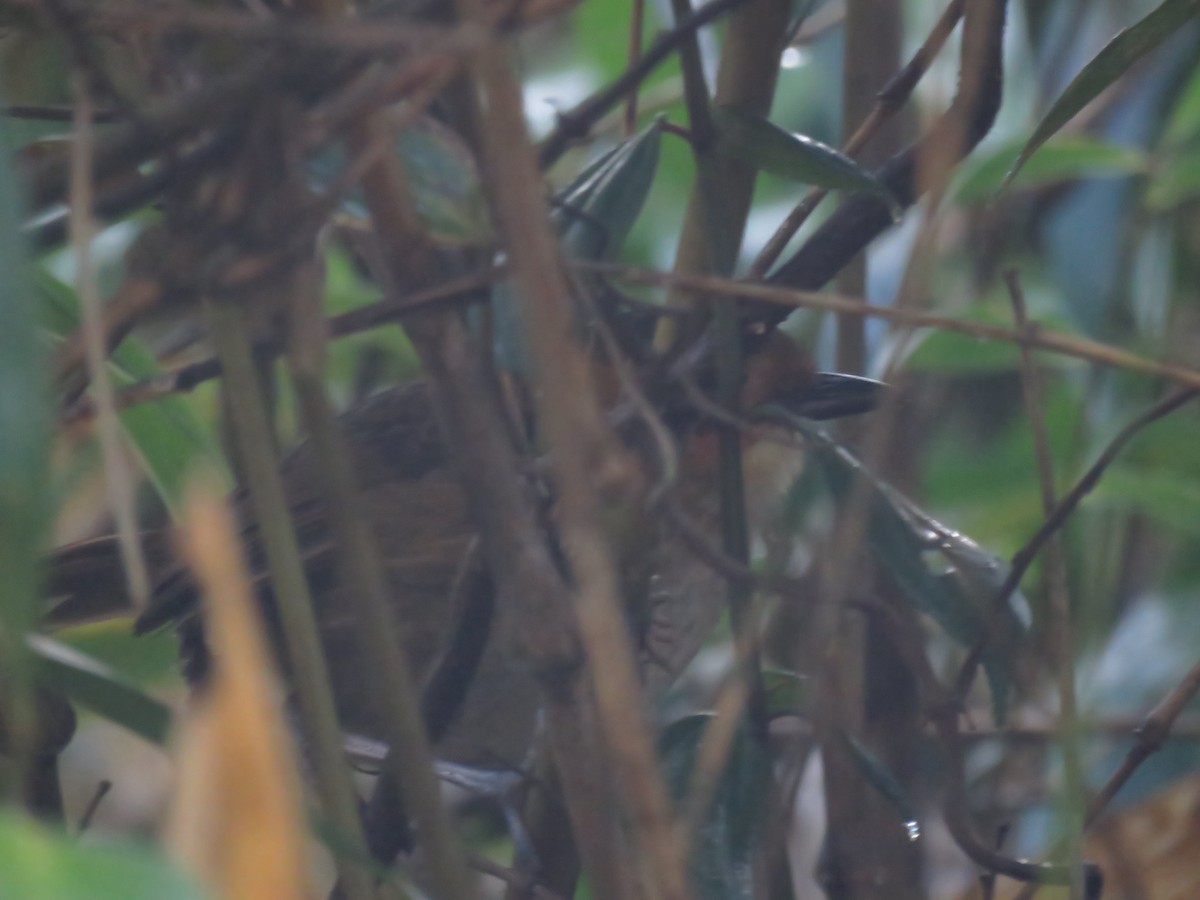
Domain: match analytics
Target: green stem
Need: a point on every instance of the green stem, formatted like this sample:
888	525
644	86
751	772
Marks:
310	675
409	762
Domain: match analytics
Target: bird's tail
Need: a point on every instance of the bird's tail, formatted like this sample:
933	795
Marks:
86	582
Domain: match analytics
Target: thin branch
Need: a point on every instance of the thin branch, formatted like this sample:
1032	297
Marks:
55	113
160	126
585	457
637	24
1024	557
1039	337
118	477
50	229
375	33
574	124
889	102
465	289
1060	601
309	671
1151	735
89	811
711	235
408	765
734	698
942	712
860	218
409	759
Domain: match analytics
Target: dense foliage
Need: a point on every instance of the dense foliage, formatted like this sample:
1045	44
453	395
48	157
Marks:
960	636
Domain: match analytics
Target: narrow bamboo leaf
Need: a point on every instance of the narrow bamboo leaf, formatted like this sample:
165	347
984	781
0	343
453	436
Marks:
1063	158
594	214
140	659
726	842
94	686
907	542
1113	61
39	864
979	574
882	779
168	436
598	209
446	188
758	141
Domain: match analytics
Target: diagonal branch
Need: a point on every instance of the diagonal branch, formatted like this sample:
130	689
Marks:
860	219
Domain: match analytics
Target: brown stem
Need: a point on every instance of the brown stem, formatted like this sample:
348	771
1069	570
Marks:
585	458
637	23
1151	735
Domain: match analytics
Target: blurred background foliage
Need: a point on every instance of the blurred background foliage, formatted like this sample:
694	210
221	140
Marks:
1103	224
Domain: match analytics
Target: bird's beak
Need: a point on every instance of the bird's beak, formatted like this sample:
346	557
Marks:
830	396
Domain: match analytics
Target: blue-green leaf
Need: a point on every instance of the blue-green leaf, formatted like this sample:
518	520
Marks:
445	184
764	144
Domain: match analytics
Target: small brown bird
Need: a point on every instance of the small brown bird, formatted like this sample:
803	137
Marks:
424	531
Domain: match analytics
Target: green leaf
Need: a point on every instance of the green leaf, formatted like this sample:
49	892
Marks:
1169	496
787	692
596	211
141	659
949	352
594	214
1113	61
168	436
1060	159
94	686
882	779
946	352
1183	122
378	356
39	864
445	184
1175	183
758	141
26	504
723	853
908	543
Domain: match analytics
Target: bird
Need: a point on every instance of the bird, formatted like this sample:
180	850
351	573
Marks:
420	516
